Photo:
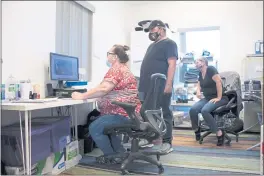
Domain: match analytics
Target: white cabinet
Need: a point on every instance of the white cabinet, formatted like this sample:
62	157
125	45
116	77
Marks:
252	67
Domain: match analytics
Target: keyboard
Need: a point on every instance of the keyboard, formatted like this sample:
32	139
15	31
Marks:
44	100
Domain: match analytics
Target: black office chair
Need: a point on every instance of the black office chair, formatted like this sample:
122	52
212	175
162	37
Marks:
227	119
151	128
227	116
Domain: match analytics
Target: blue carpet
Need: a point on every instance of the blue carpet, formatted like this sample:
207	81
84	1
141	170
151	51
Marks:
217	152
146	168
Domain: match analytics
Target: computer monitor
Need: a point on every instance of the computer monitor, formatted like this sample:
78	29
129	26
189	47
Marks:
63	68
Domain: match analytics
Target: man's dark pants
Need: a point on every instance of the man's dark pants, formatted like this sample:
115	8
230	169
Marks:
164	103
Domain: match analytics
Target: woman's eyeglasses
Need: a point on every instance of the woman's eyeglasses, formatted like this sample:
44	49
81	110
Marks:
110	53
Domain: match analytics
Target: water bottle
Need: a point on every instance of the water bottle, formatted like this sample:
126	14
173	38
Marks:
2	91
11	88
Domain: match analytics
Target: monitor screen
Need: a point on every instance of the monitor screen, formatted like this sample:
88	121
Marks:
64	67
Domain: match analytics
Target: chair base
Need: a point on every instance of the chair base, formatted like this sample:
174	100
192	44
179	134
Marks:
225	135
139	156
137	153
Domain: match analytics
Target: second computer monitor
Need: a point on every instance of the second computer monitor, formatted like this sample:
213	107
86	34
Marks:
63	68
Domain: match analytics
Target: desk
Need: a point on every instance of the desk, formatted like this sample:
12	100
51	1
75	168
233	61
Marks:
184	122
28	107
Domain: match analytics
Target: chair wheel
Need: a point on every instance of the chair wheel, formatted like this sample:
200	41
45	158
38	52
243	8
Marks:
228	143
200	141
158	157
125	172
161	169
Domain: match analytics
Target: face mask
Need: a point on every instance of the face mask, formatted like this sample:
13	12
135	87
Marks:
199	66
154	36
108	64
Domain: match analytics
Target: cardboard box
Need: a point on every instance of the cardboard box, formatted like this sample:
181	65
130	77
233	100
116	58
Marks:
54	164
42	167
58	162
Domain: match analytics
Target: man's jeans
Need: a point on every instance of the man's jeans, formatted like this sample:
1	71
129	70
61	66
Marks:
103	142
167	114
206	108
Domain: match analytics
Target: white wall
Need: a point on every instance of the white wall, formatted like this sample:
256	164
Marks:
241	23
109	29
29	36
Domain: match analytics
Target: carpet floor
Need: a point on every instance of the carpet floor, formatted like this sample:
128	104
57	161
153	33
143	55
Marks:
188	158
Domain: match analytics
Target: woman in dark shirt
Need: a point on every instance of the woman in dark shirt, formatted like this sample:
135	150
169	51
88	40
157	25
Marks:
210	85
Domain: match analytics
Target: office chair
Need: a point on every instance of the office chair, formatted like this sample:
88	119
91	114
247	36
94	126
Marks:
227	116
152	126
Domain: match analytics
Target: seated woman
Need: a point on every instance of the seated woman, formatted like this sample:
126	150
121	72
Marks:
119	84
210	84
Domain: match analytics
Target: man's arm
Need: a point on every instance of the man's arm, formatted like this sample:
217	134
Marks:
171	70
171	57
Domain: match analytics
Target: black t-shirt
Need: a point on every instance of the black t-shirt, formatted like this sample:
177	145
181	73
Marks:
156	61
208	85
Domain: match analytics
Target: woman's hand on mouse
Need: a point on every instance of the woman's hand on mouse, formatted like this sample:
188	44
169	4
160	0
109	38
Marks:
77	96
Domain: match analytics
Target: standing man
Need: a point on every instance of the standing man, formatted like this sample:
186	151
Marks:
161	57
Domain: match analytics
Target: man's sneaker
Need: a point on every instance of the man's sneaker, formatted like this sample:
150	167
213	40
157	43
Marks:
164	148
143	143
170	149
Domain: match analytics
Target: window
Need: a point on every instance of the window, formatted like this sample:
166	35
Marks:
74	32
198	39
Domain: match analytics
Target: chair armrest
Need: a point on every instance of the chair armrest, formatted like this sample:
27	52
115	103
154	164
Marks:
230	92
231	103
113	128
128	106
130	109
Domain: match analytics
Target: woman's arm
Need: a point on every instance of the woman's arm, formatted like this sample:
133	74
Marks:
198	90
217	79
101	90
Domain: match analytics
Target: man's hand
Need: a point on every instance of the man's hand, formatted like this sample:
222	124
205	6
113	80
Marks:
214	100
168	89
77	96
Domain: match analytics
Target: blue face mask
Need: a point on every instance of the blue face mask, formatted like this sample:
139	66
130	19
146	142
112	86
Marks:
108	63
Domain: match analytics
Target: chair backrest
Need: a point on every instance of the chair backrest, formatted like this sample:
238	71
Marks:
151	111
156	89
231	82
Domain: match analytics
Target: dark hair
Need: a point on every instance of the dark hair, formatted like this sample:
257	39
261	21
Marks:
120	51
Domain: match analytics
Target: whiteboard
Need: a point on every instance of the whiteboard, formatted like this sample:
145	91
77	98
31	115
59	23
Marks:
139	44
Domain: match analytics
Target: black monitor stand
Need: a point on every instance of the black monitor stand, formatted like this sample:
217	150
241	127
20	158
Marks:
60	84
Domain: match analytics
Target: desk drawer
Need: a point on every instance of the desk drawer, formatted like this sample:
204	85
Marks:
185	109
184	121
